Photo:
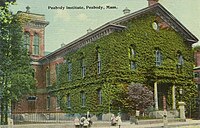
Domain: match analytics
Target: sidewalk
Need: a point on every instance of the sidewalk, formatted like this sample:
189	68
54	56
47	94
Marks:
104	124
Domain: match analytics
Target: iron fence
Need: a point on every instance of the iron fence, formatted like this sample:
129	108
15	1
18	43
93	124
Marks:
40	117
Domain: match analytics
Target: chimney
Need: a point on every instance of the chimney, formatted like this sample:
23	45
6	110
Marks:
89	30
126	11
152	2
28	9
62	45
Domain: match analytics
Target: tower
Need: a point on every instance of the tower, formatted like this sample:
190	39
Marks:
34	30
33	26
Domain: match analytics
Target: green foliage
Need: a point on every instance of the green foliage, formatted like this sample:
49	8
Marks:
17	73
115	72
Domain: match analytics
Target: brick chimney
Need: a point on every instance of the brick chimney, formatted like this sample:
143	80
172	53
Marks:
152	2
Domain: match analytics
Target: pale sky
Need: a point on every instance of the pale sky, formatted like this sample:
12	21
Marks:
69	24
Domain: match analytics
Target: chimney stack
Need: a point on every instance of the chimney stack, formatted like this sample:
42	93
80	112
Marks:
152	2
126	11
62	45
28	9
89	30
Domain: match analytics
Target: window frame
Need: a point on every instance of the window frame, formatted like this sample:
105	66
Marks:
98	61
158	57
133	65
36	43
69	71
83	68
27	41
99	93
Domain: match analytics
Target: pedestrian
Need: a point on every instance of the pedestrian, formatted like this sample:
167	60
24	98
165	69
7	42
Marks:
85	123
82	121
113	120
119	121
76	122
90	121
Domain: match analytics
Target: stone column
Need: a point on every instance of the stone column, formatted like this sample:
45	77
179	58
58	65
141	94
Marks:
182	110
156	96
173	97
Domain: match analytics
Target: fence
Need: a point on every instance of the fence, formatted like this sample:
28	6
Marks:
40	117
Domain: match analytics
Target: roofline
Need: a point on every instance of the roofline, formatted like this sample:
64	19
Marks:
30	13
81	38
157	5
115	22
195	39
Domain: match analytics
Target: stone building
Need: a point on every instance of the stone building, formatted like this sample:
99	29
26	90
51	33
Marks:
149	46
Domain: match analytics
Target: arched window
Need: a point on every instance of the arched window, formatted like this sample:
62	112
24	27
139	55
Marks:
36	44
27	41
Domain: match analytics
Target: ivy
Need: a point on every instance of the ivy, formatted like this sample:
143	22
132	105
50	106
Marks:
115	66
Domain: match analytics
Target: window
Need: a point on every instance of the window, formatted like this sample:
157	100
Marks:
57	73
132	51
133	65
83	99
99	92
69	71
158	57
68	101
58	102
180	62
48	102
48	77
36	44
196	74
98	62
27	41
83	68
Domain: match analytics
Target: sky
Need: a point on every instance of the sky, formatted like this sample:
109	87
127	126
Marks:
67	25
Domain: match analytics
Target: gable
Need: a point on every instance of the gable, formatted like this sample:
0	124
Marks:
168	20
165	16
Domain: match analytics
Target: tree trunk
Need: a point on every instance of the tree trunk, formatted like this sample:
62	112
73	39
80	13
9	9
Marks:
6	113
2	112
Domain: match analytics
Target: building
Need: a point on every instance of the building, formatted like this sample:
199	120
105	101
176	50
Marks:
86	74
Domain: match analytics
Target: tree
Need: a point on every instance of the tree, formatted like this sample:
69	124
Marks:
16	72
139	96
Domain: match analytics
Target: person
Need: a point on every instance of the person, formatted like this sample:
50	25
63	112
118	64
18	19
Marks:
82	121
113	120
76	122
90	121
119	121
85	123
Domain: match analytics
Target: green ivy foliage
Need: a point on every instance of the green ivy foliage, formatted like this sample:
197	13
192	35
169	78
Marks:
115	66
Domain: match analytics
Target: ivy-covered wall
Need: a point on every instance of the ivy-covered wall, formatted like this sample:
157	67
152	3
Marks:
114	51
